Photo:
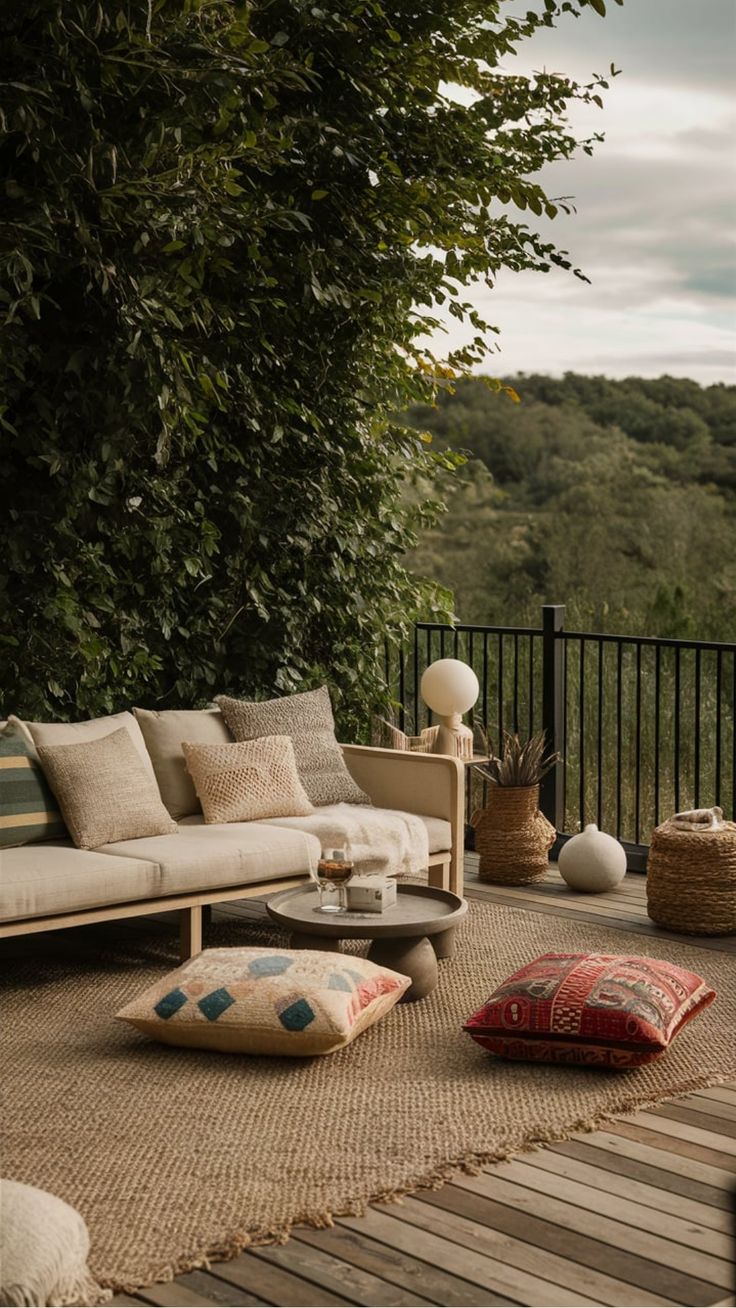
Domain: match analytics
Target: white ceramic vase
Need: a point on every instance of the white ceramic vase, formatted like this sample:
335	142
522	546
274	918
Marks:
592	861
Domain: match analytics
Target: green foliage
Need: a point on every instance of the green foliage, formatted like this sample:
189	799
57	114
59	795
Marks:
615	498
225	229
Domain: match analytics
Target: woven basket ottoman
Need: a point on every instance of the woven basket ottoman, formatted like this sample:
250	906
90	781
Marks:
691	878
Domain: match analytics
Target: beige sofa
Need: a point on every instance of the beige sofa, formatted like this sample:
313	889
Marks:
47	886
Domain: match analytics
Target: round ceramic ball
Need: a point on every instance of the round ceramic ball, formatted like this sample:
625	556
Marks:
592	861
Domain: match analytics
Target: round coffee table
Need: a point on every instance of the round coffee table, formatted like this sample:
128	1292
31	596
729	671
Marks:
409	937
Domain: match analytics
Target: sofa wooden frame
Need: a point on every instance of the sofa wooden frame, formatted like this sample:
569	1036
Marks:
431	784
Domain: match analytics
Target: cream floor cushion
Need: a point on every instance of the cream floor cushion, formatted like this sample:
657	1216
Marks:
44	1244
39	880
200	857
163	733
72	733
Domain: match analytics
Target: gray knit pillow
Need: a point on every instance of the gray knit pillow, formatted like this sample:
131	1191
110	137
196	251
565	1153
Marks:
104	790
307	719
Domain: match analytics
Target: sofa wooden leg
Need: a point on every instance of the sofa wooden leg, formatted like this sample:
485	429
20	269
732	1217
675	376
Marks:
190	932
439	876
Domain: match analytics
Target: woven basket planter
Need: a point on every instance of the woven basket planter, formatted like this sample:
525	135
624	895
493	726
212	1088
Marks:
512	837
691	880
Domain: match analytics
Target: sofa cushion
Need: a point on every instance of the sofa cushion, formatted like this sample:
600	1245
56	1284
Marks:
40	880
202	857
163	733
307	718
70	733
104	790
28	810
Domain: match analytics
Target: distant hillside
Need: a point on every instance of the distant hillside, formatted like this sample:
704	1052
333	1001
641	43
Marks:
616	497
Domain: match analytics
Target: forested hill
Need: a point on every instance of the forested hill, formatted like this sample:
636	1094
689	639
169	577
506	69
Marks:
615	497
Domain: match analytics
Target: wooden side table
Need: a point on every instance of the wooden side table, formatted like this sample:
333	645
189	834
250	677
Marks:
409	937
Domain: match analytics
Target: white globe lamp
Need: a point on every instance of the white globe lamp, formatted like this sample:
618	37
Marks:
592	861
449	689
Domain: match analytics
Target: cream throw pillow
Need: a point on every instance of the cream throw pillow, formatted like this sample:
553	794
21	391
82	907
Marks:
248	780
307	719
163	733
104	791
296	1002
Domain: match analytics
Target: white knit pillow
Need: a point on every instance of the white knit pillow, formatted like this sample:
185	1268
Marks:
44	1244
247	780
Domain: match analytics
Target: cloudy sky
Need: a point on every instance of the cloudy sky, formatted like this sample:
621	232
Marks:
655	226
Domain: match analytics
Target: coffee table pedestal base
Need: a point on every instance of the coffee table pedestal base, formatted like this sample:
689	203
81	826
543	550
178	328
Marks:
300	940
411	955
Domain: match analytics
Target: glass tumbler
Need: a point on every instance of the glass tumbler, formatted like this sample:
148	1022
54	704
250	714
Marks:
334	870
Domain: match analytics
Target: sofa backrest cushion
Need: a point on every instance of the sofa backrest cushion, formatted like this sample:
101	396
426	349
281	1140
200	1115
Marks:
28	810
70	733
105	792
163	733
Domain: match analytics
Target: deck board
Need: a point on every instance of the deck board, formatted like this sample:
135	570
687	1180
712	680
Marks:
641	1213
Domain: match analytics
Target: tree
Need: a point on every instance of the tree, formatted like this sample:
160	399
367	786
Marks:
226	228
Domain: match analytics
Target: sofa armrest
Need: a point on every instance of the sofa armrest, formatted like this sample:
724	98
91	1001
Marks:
431	784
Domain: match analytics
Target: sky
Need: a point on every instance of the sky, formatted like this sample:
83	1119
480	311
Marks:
655	228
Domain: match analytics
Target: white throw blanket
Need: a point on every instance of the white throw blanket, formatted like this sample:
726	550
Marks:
382	840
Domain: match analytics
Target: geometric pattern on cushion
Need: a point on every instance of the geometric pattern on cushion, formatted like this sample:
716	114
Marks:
247	780
307	718
294	1002
606	1010
28	811
105	792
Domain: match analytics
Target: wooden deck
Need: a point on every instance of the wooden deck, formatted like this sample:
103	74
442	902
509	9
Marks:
642	1213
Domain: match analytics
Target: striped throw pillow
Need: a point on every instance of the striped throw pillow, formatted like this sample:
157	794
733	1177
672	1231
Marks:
28	810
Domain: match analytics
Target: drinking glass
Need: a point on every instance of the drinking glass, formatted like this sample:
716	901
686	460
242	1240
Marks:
334	871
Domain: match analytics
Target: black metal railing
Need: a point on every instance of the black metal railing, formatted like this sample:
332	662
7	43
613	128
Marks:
645	725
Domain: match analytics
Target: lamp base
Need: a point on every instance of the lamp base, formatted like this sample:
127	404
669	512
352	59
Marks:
454	738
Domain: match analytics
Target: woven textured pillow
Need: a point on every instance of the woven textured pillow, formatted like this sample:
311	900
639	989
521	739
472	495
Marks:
163	733
105	793
28	810
307	719
296	1002
247	780
606	1010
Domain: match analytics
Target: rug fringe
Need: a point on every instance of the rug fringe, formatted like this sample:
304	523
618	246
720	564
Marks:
469	1164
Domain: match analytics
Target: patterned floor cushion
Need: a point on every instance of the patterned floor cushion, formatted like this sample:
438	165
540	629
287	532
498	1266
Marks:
607	1010
266	1001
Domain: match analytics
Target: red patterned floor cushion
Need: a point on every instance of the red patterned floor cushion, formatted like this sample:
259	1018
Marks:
606	1010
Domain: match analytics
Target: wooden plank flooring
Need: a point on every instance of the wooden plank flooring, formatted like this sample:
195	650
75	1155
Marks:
642	1213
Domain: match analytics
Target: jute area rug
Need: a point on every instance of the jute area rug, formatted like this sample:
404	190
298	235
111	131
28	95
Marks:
174	1155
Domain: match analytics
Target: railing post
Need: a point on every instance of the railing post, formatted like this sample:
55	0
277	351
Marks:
551	796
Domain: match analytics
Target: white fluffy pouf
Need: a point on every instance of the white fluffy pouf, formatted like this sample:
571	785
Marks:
592	861
44	1244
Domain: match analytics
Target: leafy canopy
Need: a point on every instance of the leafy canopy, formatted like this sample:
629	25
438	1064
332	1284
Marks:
225	230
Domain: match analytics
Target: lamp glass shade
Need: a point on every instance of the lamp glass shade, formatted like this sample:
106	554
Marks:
449	686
